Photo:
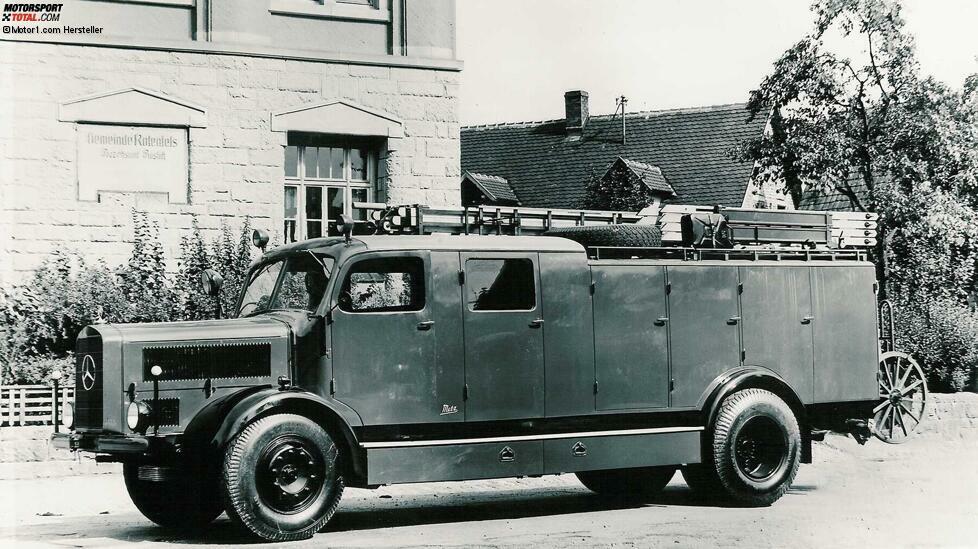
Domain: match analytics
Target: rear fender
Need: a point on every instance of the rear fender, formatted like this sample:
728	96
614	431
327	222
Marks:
754	377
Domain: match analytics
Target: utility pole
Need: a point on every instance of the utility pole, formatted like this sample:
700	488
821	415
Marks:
621	102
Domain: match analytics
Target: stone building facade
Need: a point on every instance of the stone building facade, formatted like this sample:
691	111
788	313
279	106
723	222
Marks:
195	109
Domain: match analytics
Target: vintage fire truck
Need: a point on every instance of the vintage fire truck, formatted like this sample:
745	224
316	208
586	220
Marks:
482	343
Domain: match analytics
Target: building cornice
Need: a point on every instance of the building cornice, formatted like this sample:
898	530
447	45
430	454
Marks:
216	48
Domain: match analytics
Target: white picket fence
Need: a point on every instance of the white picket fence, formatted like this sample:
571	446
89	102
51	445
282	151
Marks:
31	404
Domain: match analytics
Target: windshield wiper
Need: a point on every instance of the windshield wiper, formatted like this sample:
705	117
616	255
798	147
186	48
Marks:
321	263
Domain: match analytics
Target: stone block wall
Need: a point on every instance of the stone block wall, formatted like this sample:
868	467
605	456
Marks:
236	161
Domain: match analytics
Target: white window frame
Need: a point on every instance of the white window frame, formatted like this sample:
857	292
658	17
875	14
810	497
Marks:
301	182
377	10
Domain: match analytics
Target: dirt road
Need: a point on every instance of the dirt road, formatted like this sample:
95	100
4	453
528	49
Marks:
924	493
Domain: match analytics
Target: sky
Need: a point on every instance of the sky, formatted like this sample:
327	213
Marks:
522	55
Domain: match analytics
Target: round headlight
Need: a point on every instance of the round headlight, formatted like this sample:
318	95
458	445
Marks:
68	415
137	416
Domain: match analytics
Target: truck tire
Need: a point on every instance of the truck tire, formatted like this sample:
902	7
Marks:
282	478
756	447
181	502
702	478
631	236
638	483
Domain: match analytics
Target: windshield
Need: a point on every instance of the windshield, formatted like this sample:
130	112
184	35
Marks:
297	282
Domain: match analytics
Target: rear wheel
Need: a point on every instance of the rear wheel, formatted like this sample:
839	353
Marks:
282	477
637	483
756	447
183	500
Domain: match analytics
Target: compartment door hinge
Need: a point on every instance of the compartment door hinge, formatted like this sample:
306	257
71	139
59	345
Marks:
332	386
461	278
595	386
465	391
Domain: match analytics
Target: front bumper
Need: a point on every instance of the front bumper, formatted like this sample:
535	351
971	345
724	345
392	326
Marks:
101	443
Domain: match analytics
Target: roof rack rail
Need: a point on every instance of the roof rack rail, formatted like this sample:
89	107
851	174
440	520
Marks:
724	254
743	227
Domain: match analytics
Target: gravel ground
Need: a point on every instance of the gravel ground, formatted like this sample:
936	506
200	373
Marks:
921	494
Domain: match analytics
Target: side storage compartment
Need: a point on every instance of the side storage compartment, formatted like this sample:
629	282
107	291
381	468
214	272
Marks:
846	344
779	322
570	455
705	327
631	342
454	462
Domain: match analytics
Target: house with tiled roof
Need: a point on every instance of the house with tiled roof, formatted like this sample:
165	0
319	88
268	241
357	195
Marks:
682	156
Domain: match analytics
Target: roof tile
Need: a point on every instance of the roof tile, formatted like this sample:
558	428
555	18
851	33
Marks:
690	147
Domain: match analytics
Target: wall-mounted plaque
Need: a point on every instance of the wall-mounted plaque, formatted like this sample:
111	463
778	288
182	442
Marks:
132	159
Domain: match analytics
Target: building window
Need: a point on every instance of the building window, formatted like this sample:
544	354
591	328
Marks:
322	181
360	10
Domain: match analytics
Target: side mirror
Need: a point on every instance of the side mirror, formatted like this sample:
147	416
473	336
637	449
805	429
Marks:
259	237
345	226
211	281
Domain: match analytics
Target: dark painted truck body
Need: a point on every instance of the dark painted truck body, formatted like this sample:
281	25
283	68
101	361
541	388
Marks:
492	356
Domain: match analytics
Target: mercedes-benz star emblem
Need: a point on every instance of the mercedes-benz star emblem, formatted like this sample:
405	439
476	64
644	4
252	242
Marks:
88	372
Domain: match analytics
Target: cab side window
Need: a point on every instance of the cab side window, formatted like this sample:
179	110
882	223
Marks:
500	285
384	285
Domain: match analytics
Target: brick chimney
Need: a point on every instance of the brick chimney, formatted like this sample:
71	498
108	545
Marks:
575	107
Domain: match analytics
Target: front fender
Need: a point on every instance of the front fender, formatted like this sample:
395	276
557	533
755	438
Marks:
218	423
270	400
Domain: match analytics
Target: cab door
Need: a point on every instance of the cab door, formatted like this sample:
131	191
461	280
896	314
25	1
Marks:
384	331
503	329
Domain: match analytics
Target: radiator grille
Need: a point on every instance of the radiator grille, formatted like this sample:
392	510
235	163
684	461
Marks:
89	380
208	361
169	413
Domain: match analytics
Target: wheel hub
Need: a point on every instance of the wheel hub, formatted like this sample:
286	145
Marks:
292	476
760	448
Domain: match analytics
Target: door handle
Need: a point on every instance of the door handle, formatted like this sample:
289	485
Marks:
733	320
426	325
536	323
661	321
807	320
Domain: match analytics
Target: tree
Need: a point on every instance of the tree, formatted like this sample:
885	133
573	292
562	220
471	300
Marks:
617	190
871	128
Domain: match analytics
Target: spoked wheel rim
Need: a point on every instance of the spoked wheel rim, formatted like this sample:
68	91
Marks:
290	474
761	448
903	390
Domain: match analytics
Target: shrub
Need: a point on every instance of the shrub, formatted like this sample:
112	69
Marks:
143	279
37	370
942	334
231	258
192	303
41	318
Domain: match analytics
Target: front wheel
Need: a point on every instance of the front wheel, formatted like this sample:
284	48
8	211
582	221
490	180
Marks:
756	447
185	500
282	478
637	483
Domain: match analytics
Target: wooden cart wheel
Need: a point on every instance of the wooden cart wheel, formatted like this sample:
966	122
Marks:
903	389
